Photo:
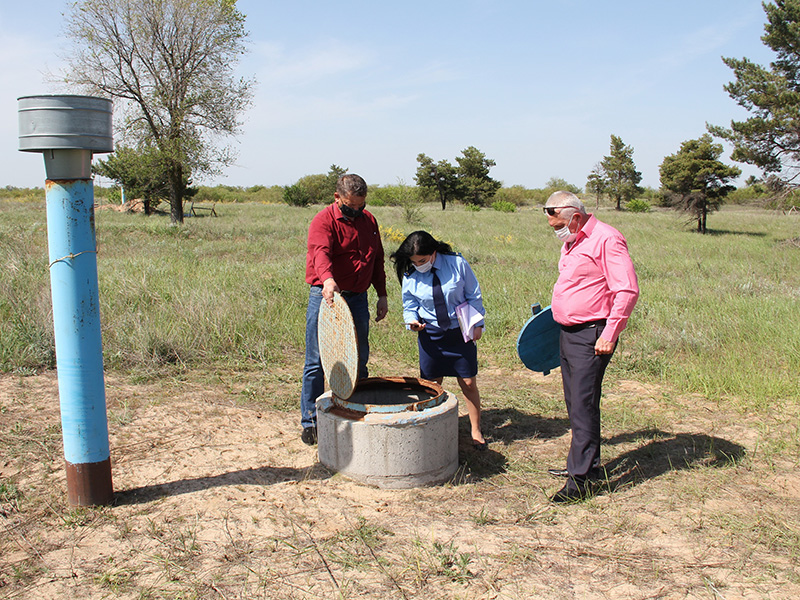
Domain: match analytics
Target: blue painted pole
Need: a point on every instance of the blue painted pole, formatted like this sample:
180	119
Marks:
67	130
79	355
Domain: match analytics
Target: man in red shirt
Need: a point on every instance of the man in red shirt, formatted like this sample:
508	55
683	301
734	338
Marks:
345	255
593	298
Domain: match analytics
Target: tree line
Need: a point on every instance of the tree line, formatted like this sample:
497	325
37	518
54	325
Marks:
169	67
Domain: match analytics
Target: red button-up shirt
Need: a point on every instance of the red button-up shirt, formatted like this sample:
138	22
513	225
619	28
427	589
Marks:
349	250
596	280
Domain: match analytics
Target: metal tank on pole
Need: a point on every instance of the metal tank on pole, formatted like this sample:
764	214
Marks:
67	130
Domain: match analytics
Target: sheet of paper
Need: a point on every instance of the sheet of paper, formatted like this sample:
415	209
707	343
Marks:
468	318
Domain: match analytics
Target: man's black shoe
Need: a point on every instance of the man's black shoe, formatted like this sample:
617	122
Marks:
571	494
309	435
593	475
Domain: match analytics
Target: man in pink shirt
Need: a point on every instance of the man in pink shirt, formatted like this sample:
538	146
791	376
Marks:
593	298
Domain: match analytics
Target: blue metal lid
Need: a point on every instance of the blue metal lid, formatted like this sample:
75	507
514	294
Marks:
538	342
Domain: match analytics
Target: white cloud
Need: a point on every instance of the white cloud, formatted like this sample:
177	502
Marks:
280	67
332	81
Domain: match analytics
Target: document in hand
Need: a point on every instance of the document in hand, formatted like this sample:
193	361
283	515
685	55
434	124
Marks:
468	317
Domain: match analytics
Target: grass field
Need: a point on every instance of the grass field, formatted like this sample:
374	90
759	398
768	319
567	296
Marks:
714	315
203	329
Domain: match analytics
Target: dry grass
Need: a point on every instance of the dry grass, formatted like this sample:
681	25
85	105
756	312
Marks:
216	497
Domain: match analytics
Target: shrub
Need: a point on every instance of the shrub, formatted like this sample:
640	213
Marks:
650	194
555	184
516	194
296	195
319	189
211	194
638	205
503	206
750	194
22	194
111	194
265	195
380	196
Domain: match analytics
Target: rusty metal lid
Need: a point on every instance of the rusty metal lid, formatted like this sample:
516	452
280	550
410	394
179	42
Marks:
392	395
338	346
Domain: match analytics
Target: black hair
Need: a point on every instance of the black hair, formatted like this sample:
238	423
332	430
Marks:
417	243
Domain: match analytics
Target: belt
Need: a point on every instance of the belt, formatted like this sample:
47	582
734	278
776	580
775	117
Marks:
345	293
582	326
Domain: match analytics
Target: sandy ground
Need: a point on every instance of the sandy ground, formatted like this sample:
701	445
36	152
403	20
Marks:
216	497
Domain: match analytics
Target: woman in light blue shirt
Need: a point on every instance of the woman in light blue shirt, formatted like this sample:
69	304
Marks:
435	281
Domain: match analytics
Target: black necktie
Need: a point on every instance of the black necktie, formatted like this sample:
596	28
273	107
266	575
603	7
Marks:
442	318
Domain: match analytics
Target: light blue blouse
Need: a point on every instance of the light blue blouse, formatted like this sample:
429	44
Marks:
458	285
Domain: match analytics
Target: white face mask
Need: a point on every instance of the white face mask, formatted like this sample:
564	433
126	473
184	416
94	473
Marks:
424	268
564	234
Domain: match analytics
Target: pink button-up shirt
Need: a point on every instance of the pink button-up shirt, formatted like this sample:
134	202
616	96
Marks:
596	280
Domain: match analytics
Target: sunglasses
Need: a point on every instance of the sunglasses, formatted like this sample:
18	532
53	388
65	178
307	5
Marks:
551	210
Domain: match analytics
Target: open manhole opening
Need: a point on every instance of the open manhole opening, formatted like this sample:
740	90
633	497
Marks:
391	395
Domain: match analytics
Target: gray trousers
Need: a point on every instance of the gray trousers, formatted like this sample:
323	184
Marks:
582	375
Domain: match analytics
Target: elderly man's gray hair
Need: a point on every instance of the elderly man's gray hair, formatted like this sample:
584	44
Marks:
565	200
562	199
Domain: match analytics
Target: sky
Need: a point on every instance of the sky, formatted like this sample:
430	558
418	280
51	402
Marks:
539	87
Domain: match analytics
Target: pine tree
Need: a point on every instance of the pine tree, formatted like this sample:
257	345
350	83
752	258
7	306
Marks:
770	139
619	173
695	180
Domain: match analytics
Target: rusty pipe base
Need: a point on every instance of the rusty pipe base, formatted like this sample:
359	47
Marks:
89	484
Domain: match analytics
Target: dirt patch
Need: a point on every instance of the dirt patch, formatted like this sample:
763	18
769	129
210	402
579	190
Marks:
217	497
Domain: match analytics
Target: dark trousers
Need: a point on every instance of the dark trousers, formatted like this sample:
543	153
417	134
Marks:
582	374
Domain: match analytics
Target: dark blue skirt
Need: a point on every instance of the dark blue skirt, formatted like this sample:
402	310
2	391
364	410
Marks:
445	354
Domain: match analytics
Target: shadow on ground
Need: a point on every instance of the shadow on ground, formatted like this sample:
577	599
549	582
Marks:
509	424
501	426
657	452
259	476
660	452
714	232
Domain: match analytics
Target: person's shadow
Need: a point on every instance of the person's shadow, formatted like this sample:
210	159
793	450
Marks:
509	424
501	426
658	452
663	452
504	425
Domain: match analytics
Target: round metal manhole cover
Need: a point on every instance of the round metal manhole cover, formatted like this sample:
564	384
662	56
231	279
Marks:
338	346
